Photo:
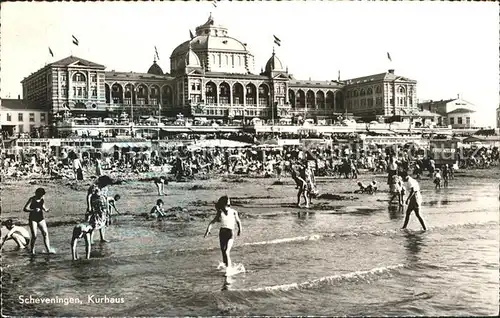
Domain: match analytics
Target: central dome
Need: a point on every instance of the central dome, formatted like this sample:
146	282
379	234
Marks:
217	51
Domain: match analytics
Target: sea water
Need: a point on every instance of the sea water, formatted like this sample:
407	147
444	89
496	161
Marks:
340	261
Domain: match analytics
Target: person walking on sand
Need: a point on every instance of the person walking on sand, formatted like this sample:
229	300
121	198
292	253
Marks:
414	200
36	206
446	175
77	167
98	167
228	218
392	168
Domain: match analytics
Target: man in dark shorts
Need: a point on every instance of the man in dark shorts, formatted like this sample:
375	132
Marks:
414	200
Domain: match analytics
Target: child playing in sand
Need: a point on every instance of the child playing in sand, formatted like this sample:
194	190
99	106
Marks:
19	234
157	210
160	183
111	204
370	188
81	230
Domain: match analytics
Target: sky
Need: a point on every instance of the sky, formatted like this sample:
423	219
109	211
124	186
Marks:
449	48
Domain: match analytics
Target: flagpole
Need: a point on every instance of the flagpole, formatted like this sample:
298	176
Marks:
159	119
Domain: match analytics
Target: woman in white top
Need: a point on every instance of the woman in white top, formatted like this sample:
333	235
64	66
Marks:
228	218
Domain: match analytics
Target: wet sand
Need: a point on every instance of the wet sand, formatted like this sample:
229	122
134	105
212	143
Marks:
195	199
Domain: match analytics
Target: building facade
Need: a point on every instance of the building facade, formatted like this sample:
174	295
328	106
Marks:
381	95
462	118
456	112
69	84
21	117
211	78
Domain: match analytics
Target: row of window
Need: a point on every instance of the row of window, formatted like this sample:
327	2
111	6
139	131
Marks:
35	84
378	90
237	112
80	77
363	103
459	120
195	85
225	58
20	117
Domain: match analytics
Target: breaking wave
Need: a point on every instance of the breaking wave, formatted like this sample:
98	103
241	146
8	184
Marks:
356	276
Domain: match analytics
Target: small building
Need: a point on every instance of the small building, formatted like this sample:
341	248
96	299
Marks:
18	116
456	108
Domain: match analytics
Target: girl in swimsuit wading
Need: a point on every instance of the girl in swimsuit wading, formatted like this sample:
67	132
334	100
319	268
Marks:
228	218
36	206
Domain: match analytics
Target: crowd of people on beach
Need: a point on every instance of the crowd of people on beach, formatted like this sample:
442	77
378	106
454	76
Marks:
327	160
301	164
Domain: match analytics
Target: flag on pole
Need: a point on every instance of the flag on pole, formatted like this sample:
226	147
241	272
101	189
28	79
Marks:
75	40
214	2
51	53
156	52
389	56
277	41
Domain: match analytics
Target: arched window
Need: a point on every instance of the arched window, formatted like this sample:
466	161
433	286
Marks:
78	77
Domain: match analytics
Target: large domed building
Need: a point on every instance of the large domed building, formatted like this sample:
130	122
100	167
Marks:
212	76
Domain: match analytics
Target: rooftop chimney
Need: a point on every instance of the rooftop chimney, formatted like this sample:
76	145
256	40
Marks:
391	71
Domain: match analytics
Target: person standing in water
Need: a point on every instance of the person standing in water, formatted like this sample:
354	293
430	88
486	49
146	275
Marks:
301	185
98	206
228	218
414	200
36	206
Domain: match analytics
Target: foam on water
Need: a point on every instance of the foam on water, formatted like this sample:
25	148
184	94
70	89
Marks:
313	237
328	280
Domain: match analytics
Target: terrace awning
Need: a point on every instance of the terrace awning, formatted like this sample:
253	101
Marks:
131	145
